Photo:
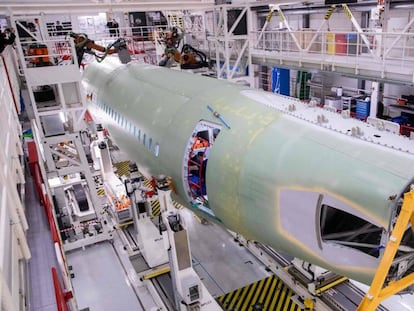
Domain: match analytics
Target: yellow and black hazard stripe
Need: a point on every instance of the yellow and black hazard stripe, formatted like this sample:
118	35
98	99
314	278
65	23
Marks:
329	12
122	168
281	15
155	208
177	205
100	192
267	294
147	183
347	11
269	16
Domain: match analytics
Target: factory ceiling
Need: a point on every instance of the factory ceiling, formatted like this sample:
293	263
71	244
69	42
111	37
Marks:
23	7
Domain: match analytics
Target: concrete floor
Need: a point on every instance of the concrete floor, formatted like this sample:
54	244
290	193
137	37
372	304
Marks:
41	288
396	302
221	263
100	282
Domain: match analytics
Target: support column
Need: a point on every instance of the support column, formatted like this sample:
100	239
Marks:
377	95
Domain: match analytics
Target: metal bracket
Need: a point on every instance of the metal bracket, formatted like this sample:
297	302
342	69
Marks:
377	293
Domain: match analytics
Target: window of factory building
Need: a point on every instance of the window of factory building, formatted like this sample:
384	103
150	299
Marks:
340	227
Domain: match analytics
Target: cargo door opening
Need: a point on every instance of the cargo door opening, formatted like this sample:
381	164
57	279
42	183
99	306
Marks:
196	161
349	230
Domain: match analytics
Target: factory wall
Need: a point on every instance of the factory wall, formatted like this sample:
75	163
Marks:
13	224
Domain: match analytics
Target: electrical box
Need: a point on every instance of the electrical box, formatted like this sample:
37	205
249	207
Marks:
191	289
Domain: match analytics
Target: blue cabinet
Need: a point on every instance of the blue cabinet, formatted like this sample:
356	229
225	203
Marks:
362	109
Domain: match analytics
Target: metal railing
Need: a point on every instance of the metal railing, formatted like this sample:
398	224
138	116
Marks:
385	54
370	54
55	52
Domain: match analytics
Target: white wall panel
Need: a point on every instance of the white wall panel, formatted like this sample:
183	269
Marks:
12	219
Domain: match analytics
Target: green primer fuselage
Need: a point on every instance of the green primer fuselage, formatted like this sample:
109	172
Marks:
267	174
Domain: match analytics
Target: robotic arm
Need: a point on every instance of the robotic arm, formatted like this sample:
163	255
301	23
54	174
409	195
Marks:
189	57
85	45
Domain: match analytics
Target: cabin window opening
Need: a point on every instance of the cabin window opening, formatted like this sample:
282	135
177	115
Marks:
144	138
196	161
340	227
157	149
150	144
139	135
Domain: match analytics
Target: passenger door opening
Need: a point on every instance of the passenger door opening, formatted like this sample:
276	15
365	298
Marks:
196	159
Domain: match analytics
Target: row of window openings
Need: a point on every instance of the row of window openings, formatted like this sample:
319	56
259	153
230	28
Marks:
130	128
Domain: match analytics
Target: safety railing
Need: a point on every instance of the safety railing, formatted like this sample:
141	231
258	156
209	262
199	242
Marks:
55	52
143	42
386	55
